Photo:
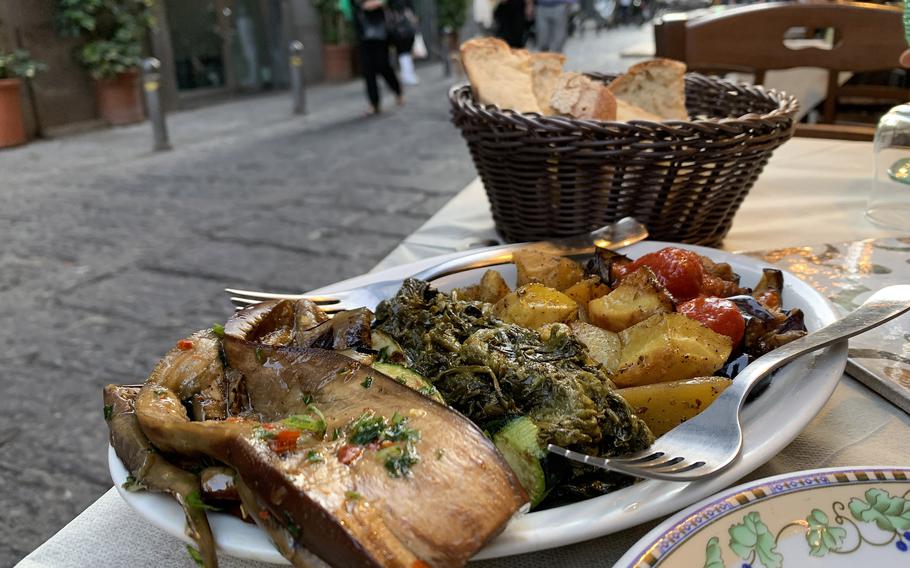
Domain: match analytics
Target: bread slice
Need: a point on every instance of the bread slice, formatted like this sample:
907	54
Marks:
499	75
627	111
580	97
657	86
546	69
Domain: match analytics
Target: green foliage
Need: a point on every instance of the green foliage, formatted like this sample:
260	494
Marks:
452	13
821	537
113	32
887	512
19	64
752	537
335	29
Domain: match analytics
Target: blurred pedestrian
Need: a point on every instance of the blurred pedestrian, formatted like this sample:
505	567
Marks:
372	30
552	24
511	18
404	31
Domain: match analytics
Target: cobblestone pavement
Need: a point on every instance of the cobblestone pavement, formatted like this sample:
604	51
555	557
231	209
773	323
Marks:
109	253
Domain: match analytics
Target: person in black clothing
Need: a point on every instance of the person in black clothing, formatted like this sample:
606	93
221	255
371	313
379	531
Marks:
511	18
372	30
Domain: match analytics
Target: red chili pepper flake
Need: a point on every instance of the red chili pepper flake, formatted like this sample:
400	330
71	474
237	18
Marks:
264	515
419	564
348	453
184	345
284	441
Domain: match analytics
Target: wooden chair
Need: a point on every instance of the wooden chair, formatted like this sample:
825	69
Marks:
867	37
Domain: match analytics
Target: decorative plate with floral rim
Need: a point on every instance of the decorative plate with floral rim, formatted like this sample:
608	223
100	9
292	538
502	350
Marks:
833	517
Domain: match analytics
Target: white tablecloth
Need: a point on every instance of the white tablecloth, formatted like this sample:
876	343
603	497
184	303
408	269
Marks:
812	191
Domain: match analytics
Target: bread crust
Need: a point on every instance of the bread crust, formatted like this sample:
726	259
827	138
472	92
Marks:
580	97
656	86
499	75
546	68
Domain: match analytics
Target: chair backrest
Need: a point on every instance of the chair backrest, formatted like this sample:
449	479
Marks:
751	39
867	37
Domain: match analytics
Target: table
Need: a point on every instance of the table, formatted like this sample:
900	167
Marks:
813	191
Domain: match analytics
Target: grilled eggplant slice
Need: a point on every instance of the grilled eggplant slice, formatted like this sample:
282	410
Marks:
378	483
151	470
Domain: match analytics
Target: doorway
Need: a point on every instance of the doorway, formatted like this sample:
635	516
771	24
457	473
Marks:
222	46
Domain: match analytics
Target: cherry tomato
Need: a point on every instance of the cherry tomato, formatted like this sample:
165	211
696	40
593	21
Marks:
680	271
348	453
717	314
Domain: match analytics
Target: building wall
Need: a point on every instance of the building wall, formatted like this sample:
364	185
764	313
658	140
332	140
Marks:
63	94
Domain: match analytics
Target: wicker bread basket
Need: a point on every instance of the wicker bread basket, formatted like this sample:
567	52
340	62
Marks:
552	177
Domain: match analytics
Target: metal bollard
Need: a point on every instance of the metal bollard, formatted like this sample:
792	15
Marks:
296	62
151	83
444	50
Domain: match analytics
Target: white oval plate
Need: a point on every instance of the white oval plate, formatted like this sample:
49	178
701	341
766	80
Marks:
772	421
827	518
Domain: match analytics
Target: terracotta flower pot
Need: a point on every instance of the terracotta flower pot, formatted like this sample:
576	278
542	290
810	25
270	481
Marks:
12	128
337	62
118	98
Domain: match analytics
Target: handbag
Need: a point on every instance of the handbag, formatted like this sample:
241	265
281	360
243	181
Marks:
401	30
419	50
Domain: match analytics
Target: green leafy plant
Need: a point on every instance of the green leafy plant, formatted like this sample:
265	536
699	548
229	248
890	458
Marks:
452	13
335	28
19	64
113	32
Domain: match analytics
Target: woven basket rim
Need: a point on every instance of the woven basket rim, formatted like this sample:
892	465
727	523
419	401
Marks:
462	95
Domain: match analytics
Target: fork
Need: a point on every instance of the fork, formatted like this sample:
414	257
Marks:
622	233
710	442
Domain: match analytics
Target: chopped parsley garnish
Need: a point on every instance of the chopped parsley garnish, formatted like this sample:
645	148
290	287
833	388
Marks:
194	501
195	555
313	421
292	527
132	484
367	429
398	430
352	495
313	456
383	356
372	428
108	411
261	433
336	433
398	459
307	399
218	329
260	355
367	382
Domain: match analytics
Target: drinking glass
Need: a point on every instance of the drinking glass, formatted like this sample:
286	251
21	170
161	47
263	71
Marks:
889	201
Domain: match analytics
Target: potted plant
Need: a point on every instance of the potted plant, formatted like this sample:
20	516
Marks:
451	15
114	33
336	48
14	67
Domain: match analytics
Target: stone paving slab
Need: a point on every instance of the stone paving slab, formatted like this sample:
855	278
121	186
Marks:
110	253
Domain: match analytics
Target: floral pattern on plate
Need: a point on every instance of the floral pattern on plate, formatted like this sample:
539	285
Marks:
831	517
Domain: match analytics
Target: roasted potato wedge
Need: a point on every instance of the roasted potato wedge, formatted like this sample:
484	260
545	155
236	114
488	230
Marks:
491	289
665	406
638	297
603	346
669	347
534	305
550	270
587	289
